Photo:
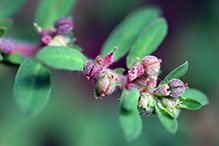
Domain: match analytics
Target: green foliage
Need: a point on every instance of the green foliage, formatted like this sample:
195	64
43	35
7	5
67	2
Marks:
197	95
2	31
1	58
130	119
126	33
190	104
130	101
169	123
119	70
96	94
148	41
9	7
32	86
62	58
7	23
14	59
176	73
49	10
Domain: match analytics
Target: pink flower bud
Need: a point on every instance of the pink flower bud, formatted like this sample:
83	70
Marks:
132	74
45	39
177	87
108	59
63	25
151	64
105	86
162	91
5	47
135	72
92	69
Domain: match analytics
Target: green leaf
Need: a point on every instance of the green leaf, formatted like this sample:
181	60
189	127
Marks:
176	73
117	83
119	70
2	31
76	47
14	59
1	58
130	120
7	23
190	104
49	10
96	93
62	58
126	33
169	123
148	41
32	86
131	100
196	94
9	7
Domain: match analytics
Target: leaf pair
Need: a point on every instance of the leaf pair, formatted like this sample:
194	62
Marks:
141	32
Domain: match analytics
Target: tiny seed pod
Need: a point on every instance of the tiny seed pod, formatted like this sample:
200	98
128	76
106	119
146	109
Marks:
177	87
92	69
105	86
151	64
63	25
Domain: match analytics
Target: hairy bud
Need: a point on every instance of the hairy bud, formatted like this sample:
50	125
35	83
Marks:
5	47
63	25
177	87
105	86
92	69
151	64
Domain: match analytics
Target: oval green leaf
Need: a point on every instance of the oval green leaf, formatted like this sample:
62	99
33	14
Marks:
7	23
176	73
130	119
126	33
9	7
2	31
196	94
130	101
62	58
169	123
190	104
14	59
148	41
49	10
32	86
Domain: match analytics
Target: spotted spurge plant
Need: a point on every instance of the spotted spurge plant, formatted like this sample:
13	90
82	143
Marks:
139	35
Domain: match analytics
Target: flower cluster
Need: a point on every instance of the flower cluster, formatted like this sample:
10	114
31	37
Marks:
142	76
55	35
106	79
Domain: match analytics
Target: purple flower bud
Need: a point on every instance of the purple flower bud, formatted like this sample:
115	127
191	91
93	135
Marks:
151	64
92	69
63	25
105	86
5	47
177	87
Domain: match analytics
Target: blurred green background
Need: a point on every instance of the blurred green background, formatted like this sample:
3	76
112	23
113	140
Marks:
74	117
